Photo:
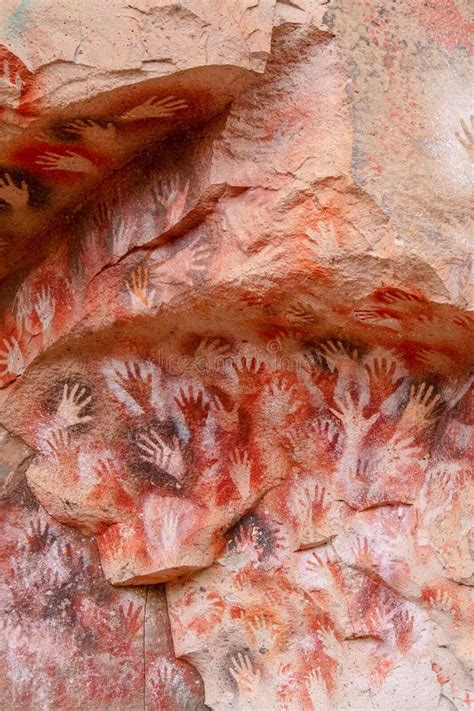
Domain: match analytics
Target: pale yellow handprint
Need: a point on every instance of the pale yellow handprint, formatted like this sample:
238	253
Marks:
422	408
141	296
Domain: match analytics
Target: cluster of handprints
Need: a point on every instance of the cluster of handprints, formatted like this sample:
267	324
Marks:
363	536
347	579
68	638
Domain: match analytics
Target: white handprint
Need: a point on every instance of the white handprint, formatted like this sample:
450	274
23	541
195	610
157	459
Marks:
350	413
226	419
167	457
241	472
172	198
155	108
11	357
280	400
44	307
119	234
263	631
169	530
71	405
168	676
10	88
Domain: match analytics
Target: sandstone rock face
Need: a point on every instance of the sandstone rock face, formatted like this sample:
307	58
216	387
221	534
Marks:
236	356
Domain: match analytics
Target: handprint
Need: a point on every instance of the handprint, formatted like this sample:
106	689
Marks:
91	131
432	360
190	263
381	619
332	646
11	358
378	317
38	534
422	408
58	444
137	380
350	413
337	355
263	632
131	619
322	564
172	198
91	254
14	195
260	261
466	136
311	501
141	296
361	553
327	428
10	88
167	676
210	353
246	677
69	161
241	472
404	632
301	312
316	690
394	295
227	419
45	307
243	548
248	370
280	400
384	368
105	469
71	406
155	108
194	407
170	529
323	239
398	453
443	601
437	495
168	457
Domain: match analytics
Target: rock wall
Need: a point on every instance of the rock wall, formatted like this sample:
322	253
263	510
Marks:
236	356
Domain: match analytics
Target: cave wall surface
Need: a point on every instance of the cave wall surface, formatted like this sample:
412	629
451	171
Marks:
236	370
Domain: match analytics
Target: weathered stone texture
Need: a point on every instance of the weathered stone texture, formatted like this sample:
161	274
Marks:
236	340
